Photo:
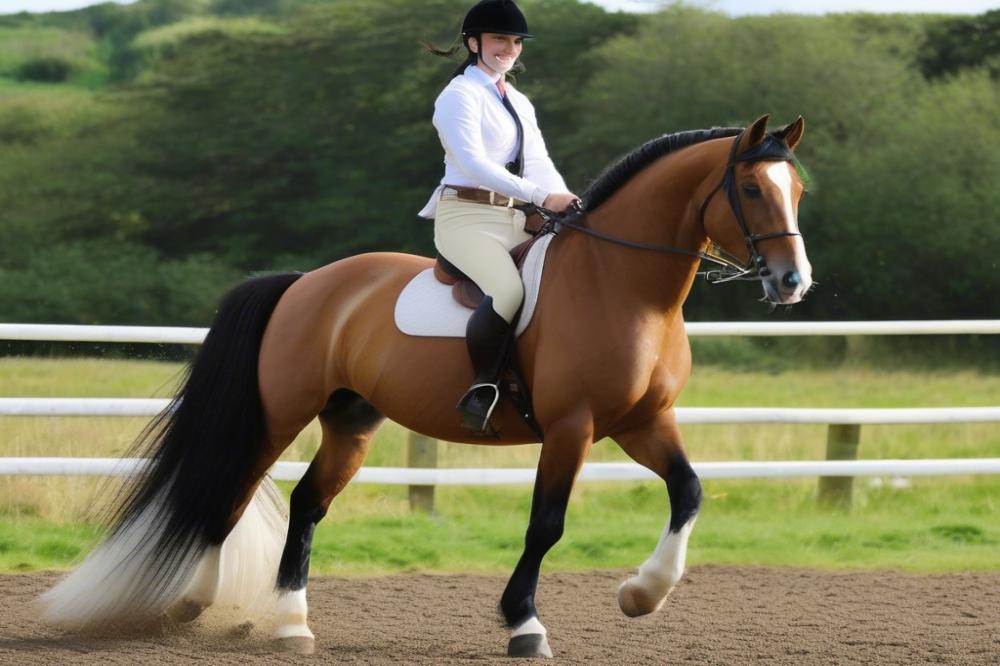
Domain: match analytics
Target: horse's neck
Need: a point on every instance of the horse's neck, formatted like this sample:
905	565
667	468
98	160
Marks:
660	205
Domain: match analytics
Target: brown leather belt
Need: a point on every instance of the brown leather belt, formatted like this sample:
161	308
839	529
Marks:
481	196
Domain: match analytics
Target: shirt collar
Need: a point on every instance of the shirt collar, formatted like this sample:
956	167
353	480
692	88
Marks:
479	75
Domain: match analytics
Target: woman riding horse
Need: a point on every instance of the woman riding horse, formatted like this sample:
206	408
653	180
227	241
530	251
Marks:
286	349
494	158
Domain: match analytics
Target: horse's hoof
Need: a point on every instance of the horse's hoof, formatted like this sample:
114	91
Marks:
296	644
529	645
185	611
634	601
242	630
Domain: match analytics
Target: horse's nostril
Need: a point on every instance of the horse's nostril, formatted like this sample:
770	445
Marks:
792	279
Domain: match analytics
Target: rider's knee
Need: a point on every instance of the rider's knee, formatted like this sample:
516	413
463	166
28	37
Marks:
507	301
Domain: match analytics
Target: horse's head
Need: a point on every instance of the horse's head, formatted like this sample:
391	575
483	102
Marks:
753	213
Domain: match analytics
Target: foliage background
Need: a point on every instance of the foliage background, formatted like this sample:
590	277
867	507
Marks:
155	154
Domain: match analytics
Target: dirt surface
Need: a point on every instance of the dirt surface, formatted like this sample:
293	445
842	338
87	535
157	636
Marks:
717	615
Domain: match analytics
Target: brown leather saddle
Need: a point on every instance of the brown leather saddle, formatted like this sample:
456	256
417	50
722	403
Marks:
463	289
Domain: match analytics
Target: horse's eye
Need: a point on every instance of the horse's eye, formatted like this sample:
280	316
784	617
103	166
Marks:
752	191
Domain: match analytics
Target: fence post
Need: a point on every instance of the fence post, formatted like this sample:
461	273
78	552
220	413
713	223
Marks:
421	452
841	444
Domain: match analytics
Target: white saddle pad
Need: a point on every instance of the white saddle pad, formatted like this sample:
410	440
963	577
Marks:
426	307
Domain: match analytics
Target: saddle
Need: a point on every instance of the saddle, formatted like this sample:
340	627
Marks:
466	292
424	309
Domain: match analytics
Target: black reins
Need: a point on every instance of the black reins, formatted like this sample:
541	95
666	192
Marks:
770	149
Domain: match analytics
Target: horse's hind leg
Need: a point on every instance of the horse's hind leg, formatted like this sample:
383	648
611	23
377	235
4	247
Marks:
658	446
201	593
348	423
245	551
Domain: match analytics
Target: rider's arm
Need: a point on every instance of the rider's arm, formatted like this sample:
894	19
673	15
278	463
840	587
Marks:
538	166
457	117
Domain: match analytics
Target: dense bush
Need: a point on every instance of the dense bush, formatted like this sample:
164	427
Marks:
48	69
97	282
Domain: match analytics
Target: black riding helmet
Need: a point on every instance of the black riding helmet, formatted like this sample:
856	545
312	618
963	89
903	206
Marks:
498	16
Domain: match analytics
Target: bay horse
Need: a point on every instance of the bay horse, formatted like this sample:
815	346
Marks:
605	355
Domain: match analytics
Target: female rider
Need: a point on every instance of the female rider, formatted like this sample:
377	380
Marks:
495	158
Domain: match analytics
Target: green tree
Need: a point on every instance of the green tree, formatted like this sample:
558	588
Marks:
963	43
875	129
244	151
909	230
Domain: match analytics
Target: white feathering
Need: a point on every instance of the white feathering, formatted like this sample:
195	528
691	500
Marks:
115	586
251	555
116	583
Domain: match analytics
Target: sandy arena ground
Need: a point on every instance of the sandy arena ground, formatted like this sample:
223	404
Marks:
718	615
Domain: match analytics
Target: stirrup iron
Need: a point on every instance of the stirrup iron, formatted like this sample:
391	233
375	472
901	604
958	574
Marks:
473	417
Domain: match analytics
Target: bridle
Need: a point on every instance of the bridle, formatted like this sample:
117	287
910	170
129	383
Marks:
771	149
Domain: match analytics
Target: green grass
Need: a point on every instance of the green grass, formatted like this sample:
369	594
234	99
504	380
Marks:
30	544
937	524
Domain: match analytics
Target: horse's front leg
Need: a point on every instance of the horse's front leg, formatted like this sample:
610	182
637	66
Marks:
657	445
566	445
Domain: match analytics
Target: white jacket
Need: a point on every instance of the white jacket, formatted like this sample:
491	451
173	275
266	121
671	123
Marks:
480	137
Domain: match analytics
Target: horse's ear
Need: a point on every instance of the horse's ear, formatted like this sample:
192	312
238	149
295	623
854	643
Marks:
754	134
792	134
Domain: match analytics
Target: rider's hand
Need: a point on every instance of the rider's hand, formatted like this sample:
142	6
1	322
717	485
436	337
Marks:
559	201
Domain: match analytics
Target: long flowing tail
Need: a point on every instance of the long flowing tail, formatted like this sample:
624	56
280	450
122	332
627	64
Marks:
204	451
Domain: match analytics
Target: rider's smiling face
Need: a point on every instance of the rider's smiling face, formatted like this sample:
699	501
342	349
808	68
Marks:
497	53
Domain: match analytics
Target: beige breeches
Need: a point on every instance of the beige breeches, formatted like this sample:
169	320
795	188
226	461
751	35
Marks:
477	238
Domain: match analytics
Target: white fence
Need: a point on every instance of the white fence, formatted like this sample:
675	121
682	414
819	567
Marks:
836	418
687	415
459	476
181	335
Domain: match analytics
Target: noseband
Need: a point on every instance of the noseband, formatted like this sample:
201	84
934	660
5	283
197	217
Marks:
771	149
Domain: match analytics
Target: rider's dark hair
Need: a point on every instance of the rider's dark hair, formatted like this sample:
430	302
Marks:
470	58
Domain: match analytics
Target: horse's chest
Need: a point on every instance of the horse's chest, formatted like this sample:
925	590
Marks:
643	391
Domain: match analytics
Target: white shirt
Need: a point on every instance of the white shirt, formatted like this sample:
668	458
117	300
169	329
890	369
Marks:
480	137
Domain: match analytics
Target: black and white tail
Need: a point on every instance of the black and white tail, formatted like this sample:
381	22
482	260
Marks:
202	450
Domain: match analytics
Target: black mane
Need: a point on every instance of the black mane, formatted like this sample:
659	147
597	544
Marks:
619	173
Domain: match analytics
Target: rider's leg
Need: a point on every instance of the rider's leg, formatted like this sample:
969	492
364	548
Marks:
477	239
488	337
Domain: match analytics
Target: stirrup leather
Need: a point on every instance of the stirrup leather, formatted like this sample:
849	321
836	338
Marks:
469	404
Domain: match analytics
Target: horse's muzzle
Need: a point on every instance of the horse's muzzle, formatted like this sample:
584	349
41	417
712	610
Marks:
787	285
